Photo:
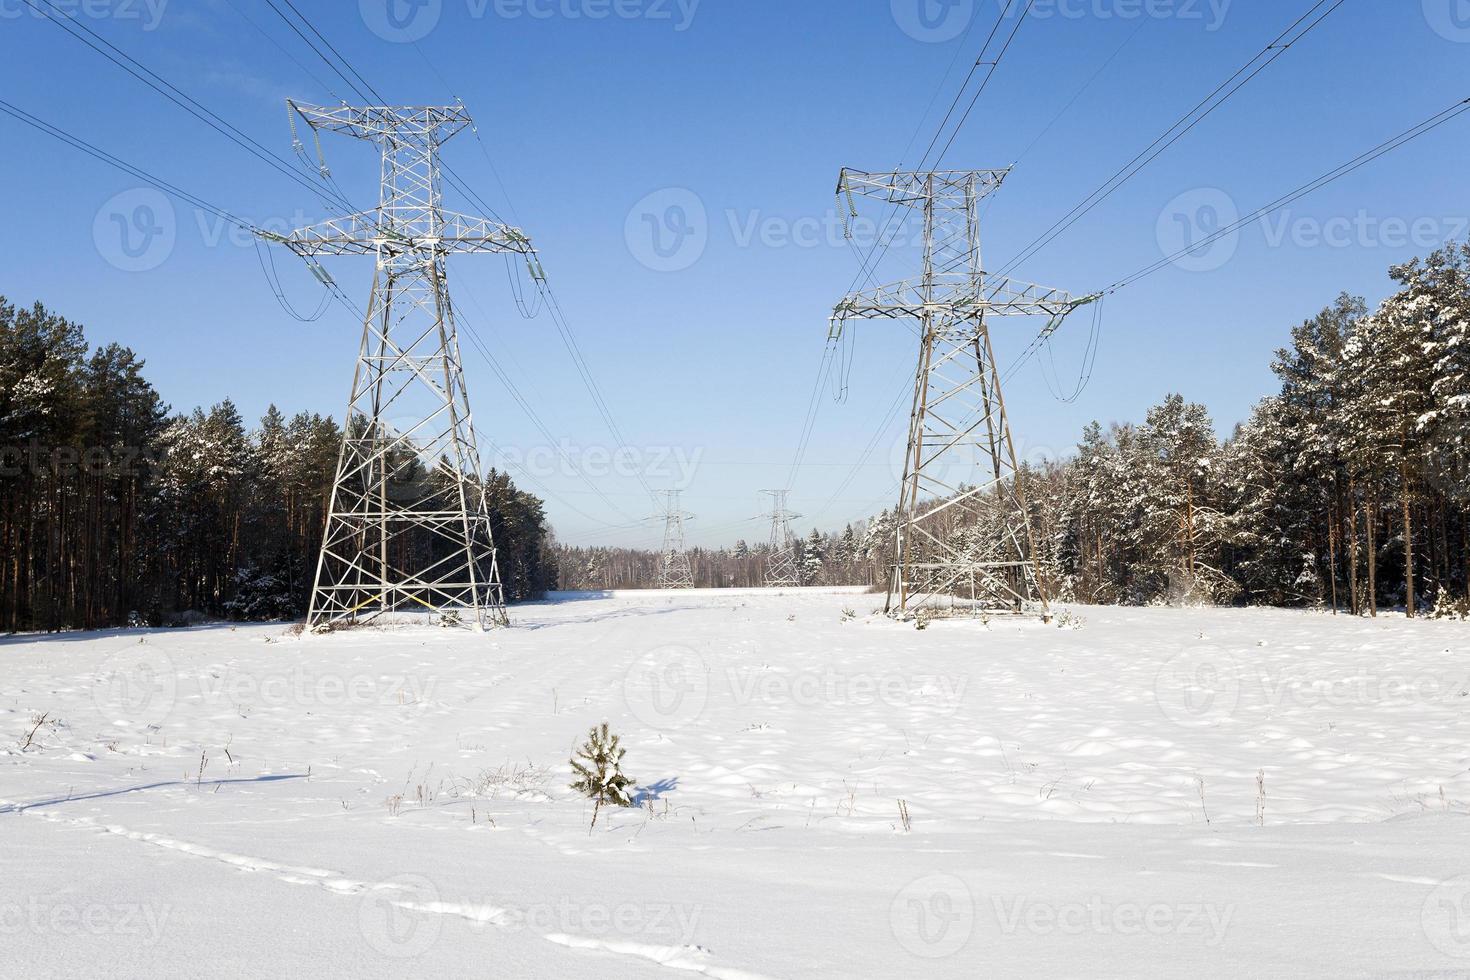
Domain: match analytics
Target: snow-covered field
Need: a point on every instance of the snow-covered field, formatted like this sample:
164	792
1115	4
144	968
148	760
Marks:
1150	792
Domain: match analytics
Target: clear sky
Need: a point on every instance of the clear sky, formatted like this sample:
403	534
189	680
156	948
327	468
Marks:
675	163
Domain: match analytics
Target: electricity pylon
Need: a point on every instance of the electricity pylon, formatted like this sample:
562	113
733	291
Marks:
408	526
673	563
958	409
781	568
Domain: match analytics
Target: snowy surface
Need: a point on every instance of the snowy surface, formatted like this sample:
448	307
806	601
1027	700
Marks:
1084	799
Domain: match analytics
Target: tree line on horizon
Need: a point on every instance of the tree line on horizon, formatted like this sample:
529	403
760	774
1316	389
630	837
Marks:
1348	488
843	558
115	510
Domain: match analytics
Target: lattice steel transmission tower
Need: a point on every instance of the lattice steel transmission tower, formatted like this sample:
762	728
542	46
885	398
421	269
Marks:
782	570
408	527
674	571
960	465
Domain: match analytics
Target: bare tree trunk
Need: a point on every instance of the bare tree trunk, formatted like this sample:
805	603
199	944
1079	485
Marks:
1189	526
1370	519
1442	560
1465	550
1353	548
1332	554
1408	541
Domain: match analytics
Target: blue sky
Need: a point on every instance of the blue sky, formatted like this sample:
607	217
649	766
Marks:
609	121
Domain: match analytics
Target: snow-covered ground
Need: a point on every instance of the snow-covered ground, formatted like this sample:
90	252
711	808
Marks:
1136	792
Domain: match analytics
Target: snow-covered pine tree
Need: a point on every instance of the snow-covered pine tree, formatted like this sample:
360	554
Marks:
1405	382
598	766
1441	284
1091	519
876	546
811	558
1387	380
1180	523
1269	520
1312	484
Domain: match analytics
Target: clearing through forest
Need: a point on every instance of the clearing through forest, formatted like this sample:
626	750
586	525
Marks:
822	792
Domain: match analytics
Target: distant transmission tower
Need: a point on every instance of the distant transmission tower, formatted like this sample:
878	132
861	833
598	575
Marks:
781	567
961	460
673	564
408	527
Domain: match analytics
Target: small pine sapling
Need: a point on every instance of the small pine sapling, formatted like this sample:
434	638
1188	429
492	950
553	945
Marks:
598	767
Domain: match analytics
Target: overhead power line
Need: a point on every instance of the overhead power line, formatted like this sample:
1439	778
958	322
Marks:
867	266
135	171
1198	114
1409	135
85	35
1361	160
358	82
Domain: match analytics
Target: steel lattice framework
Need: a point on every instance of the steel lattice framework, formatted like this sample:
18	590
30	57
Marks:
674	571
408	526
961	464
782	570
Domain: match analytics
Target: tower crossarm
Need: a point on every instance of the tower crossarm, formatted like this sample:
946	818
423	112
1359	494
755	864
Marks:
914	189
955	295
382	122
411	229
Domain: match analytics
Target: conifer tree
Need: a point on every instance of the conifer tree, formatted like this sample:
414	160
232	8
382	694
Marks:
598	766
